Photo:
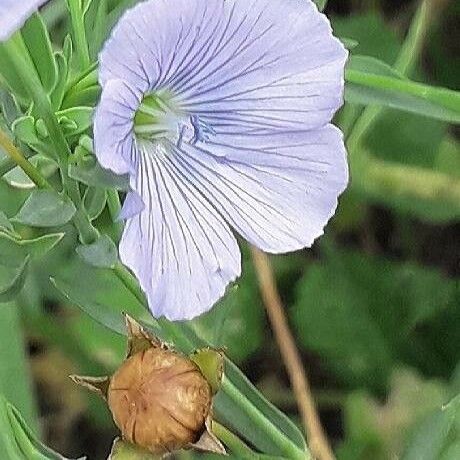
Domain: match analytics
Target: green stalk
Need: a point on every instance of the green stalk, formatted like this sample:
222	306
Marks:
18	159
405	63
79	33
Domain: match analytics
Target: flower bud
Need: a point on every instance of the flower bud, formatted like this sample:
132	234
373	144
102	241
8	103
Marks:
159	400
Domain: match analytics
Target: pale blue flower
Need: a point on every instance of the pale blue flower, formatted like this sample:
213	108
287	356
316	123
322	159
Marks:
14	13
219	111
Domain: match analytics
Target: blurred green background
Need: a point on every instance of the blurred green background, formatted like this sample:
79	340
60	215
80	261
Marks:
374	305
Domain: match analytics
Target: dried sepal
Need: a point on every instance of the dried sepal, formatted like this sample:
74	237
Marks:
138	338
208	441
99	385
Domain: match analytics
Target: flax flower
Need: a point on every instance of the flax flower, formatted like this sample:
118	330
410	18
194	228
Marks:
13	14
219	111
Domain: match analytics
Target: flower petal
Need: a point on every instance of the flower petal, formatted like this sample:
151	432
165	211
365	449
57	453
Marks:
255	64
278	191
179	248
113	125
14	13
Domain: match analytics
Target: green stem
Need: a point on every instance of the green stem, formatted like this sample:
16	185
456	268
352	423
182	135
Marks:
79	33
384	180
405	63
18	159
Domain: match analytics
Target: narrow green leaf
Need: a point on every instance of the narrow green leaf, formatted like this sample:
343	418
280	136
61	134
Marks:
369	64
429	440
17	433
5	224
94	201
96	25
101	254
229	412
23	129
81	116
85	97
38	43
13	248
90	173
8	106
38	247
15	381
101	296
15	283
45	208
381	86
8	71
63	72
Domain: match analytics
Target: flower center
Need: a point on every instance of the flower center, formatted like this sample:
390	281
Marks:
159	117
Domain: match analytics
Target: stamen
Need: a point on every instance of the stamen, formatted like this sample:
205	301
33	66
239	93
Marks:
159	117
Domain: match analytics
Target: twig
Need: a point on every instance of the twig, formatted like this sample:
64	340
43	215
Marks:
317	439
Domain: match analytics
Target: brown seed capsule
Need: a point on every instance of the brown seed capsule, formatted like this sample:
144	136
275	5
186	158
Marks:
159	400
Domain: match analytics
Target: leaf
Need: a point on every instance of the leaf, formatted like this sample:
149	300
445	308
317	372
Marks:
90	173
229	412
14	285
431	437
8	69
101	254
87	97
359	313
38	43
13	248
17	438
374	37
378	429
367	88
23	129
5	224
94	202
82	117
45	208
15	378
100	295
63	72
369	64
96	22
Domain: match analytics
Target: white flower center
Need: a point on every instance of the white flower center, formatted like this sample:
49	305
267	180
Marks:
158	118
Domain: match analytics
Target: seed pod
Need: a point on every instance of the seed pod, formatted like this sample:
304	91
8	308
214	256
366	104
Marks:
160	399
